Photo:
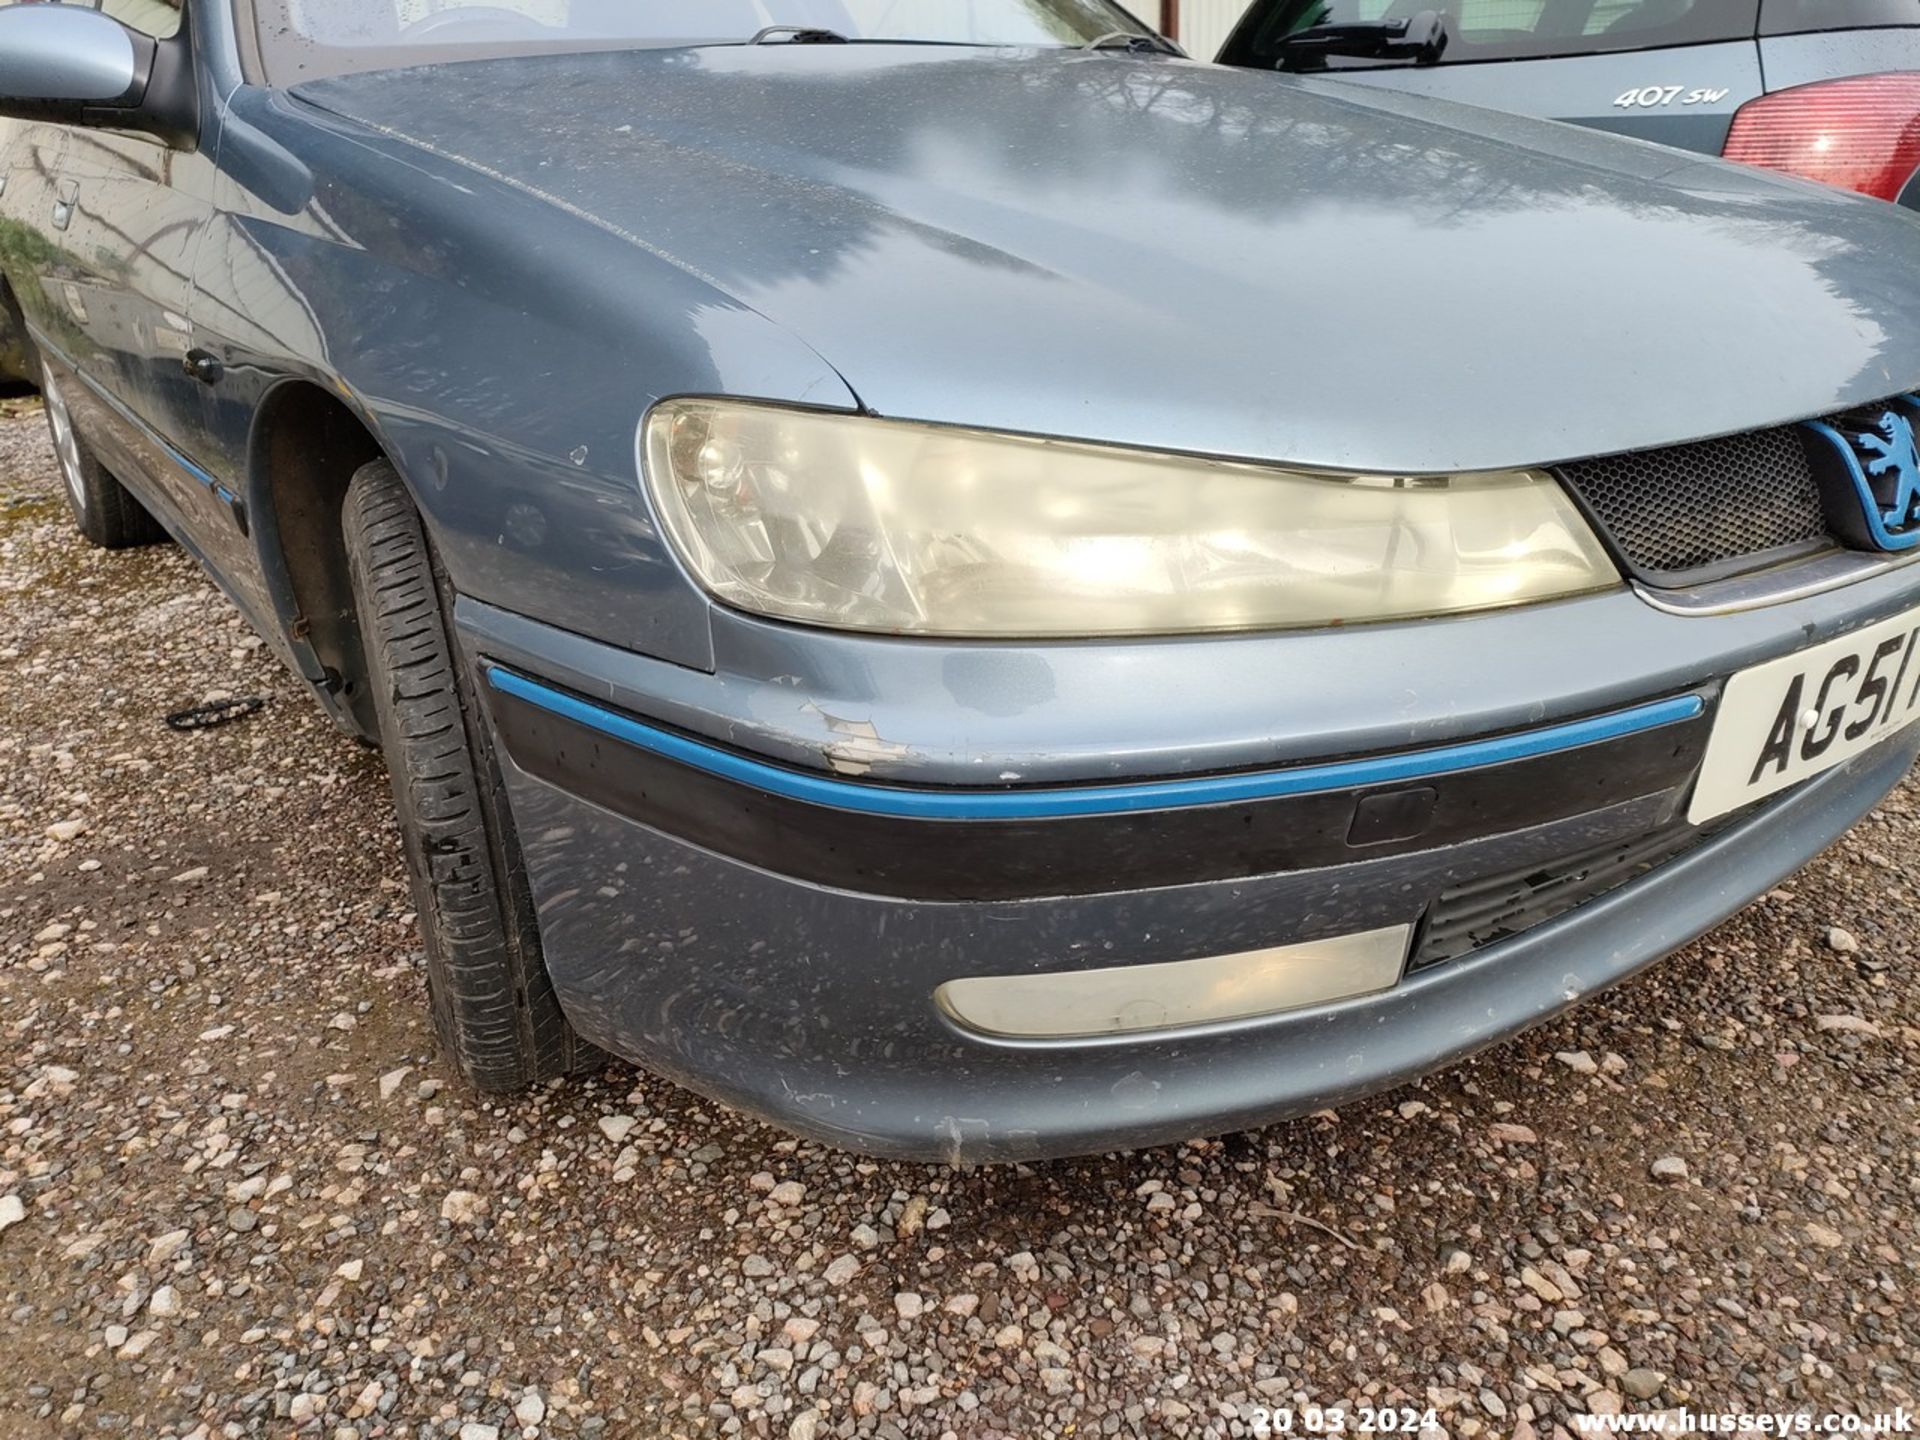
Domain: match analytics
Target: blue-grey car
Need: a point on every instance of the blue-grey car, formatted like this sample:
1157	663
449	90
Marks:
1825	89
956	580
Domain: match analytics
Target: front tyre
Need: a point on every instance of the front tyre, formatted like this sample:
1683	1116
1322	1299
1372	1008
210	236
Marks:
493	1003
106	514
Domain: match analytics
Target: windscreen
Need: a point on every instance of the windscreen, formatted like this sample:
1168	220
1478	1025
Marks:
158	18
1798	17
1504	29
302	39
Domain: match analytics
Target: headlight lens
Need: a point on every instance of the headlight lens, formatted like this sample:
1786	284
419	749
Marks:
864	524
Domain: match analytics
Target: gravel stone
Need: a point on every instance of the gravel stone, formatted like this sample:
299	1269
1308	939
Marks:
463	1207
1643	1384
137	1344
1847	1024
529	1410
913	1218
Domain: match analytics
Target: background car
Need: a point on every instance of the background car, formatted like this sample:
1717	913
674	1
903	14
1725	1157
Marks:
1826	89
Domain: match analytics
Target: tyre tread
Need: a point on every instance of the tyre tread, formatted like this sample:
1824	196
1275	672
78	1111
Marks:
111	517
493	1002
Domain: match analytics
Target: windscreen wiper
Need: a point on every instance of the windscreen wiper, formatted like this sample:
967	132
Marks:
1135	41
1419	40
798	35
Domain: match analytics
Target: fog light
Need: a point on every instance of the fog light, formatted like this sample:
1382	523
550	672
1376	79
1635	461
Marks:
1126	999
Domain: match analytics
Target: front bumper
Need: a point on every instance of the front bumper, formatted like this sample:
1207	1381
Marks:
782	954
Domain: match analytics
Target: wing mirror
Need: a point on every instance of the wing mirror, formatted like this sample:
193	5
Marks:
75	66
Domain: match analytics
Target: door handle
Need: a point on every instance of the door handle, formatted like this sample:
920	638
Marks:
68	202
204	366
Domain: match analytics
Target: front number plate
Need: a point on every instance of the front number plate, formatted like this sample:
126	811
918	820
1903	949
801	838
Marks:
1803	713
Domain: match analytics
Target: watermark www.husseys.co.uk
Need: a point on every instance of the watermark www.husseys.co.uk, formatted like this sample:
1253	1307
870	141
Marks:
1759	1422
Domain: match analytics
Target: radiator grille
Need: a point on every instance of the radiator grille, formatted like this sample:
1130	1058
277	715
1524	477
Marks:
1702	506
1485	911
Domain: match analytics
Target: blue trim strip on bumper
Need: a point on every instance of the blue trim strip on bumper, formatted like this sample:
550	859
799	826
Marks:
1061	801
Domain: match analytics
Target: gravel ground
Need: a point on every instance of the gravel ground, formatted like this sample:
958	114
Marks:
240	1195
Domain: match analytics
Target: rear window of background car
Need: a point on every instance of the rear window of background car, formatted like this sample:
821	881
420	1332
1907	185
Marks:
1796	17
1509	29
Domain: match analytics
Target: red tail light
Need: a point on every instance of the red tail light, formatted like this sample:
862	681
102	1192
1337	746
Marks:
1861	133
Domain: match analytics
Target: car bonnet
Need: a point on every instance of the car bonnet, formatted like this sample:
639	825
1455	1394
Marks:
1175	255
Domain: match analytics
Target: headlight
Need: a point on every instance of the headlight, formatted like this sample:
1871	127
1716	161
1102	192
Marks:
864	524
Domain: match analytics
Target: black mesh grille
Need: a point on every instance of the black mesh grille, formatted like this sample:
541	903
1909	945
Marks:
1700	506
1483	912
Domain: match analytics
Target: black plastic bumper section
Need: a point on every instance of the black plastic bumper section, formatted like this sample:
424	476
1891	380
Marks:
951	860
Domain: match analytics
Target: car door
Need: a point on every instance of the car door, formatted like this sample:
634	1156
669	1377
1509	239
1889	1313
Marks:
1671	71
134	212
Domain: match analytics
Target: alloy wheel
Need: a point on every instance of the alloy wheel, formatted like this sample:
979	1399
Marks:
66	445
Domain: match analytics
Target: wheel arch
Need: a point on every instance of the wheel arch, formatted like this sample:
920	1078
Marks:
307	442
